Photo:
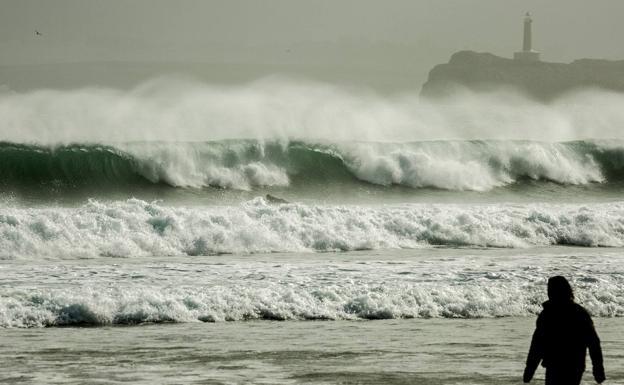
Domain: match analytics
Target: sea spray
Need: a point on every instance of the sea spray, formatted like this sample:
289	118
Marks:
173	109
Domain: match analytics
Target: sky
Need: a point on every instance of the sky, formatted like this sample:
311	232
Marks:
400	39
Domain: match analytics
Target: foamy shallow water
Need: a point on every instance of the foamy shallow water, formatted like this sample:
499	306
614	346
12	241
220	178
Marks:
416	351
382	284
422	316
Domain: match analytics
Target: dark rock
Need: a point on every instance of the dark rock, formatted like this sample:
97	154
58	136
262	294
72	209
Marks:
484	72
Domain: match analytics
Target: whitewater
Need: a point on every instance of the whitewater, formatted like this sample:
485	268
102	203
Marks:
246	164
284	199
136	228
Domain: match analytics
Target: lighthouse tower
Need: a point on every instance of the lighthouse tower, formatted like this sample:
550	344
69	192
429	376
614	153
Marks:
527	54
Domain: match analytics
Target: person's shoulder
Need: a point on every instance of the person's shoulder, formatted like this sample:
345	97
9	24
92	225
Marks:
544	314
581	312
579	308
546	308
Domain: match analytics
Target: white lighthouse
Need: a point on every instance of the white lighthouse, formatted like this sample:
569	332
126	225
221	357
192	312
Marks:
527	54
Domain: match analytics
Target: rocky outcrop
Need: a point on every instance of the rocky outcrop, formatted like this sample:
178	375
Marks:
483	72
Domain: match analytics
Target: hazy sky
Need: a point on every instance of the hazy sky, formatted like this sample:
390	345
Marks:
407	35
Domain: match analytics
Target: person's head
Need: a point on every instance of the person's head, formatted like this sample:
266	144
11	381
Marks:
559	289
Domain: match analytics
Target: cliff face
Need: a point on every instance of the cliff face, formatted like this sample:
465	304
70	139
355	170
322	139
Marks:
482	72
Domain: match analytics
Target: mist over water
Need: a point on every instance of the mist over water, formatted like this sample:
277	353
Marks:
280	132
179	109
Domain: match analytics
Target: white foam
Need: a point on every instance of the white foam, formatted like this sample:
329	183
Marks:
451	165
479	166
137	228
456	287
99	306
188	165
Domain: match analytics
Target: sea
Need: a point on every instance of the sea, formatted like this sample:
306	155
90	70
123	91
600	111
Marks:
282	232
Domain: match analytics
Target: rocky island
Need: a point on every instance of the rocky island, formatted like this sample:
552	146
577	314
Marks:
484	72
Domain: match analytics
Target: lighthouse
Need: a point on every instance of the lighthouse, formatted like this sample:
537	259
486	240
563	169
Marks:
527	54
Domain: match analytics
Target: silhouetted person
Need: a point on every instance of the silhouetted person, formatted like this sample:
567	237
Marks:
564	332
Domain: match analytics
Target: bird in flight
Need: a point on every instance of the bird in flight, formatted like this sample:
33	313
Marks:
37	33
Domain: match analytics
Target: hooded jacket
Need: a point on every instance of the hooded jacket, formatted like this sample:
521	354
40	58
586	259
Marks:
564	332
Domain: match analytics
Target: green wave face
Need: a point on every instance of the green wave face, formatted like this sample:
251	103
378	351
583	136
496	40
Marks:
70	165
231	164
248	165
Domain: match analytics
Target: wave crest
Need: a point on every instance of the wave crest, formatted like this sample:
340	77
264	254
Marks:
248	164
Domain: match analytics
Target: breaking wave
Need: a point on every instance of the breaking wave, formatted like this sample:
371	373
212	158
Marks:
484	295
247	164
137	228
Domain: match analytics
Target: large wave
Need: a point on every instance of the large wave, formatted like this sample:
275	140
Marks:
136	228
184	133
246	164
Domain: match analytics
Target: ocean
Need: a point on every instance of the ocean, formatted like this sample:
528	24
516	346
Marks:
259	256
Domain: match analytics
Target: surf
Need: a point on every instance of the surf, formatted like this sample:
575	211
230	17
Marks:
252	164
136	228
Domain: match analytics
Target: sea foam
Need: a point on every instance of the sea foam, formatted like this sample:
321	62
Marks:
459	285
138	228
